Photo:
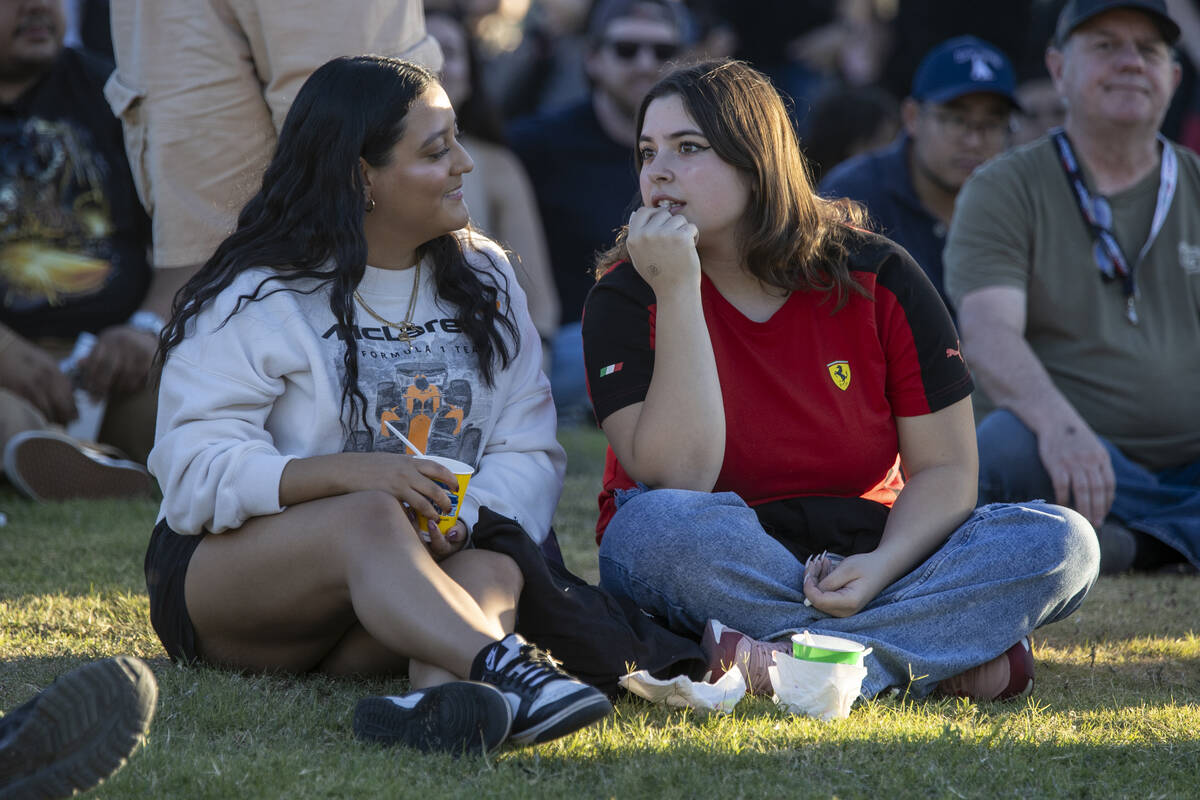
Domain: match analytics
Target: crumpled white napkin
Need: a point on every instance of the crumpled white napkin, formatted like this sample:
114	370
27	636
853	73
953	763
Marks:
824	691
682	692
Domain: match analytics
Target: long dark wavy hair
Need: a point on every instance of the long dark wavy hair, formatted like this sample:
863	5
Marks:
789	237
306	222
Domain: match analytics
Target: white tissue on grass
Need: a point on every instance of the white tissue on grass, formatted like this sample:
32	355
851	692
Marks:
815	689
682	692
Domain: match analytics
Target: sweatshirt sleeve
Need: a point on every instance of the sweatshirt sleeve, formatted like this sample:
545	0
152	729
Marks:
520	472
213	457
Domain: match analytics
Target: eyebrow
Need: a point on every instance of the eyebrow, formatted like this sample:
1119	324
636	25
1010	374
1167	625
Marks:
677	134
437	135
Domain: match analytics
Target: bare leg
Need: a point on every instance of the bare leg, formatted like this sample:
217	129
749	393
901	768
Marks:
493	580
283	591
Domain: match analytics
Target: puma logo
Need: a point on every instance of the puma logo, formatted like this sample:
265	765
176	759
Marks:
952	353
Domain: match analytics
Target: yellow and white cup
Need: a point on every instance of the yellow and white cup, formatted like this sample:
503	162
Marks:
463	473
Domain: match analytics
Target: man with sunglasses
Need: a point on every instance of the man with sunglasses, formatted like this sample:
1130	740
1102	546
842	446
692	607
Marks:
958	116
580	160
1075	262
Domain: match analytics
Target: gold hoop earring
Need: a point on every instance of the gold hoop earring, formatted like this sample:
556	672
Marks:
370	204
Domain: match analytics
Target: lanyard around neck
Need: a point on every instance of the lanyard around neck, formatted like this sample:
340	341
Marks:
1116	265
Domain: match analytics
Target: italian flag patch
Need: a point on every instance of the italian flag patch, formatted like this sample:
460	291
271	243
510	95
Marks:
611	368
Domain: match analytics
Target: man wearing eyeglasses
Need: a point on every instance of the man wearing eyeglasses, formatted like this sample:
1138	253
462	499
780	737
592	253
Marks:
1075	262
580	160
958	116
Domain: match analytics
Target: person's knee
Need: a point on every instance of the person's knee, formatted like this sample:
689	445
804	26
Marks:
664	536
378	518
656	524
1065	544
501	570
1010	468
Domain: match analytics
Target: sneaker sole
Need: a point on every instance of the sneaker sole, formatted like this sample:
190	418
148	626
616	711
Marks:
456	718
82	729
48	466
579	714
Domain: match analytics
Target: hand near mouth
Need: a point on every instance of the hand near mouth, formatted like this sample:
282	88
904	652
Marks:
662	247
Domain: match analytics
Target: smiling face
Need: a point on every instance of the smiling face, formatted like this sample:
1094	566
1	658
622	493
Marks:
418	192
1116	69
31	36
681	171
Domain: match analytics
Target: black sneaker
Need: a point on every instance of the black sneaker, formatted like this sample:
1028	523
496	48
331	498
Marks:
456	718
546	701
78	731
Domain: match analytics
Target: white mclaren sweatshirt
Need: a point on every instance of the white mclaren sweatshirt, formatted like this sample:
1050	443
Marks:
239	400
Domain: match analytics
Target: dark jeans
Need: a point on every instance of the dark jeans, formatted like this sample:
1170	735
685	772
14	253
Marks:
1164	505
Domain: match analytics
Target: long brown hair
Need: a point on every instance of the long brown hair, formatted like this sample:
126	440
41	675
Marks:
790	238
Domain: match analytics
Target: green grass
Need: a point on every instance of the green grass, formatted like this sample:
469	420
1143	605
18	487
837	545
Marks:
1116	712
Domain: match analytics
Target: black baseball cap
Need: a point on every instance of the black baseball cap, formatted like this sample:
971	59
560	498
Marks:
961	66
1077	12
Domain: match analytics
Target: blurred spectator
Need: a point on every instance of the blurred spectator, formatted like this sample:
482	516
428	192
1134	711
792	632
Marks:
1042	108
848	121
958	116
580	159
803	45
498	193
73	269
1183	115
1075	262
919	25
202	86
545	71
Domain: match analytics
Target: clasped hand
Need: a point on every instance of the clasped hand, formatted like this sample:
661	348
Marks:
844	589
662	247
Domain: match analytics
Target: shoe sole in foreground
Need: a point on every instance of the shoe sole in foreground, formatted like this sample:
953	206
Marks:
583	712
48	466
456	718
81	729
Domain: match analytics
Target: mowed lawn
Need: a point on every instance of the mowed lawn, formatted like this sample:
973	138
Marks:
1116	712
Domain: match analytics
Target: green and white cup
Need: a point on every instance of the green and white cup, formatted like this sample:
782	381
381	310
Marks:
827	649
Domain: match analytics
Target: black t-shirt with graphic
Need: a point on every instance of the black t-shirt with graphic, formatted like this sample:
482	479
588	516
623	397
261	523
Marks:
73	235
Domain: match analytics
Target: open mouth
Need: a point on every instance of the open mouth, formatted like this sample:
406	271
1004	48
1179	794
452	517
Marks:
670	205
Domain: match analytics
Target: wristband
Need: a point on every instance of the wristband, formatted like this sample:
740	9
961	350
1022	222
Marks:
146	322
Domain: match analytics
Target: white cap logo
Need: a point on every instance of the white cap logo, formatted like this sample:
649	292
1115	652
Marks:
983	63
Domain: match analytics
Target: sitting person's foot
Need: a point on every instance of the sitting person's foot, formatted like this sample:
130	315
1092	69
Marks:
78	731
546	702
727	648
47	465
460	718
1008	676
1118	547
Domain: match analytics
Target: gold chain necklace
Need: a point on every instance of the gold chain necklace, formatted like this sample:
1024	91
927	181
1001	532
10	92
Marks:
406	323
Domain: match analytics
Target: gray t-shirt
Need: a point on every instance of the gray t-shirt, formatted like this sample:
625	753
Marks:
1016	224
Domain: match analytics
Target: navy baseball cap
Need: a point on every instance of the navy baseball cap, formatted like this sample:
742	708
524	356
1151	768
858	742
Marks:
1077	12
964	65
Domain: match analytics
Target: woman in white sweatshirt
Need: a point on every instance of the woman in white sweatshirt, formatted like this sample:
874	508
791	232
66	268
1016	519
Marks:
353	295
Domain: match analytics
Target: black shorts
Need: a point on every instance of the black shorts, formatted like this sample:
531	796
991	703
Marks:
167	560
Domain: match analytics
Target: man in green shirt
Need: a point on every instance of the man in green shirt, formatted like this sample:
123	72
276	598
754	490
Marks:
1075	266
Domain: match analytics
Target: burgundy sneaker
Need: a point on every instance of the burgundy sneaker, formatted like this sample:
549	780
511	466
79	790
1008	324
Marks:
1008	676
727	648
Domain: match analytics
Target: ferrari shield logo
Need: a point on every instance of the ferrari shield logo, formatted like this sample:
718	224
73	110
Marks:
840	372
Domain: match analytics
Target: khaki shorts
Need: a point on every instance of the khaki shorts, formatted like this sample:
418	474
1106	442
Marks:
202	87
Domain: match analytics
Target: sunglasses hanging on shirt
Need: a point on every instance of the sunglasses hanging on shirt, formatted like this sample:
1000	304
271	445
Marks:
1097	215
